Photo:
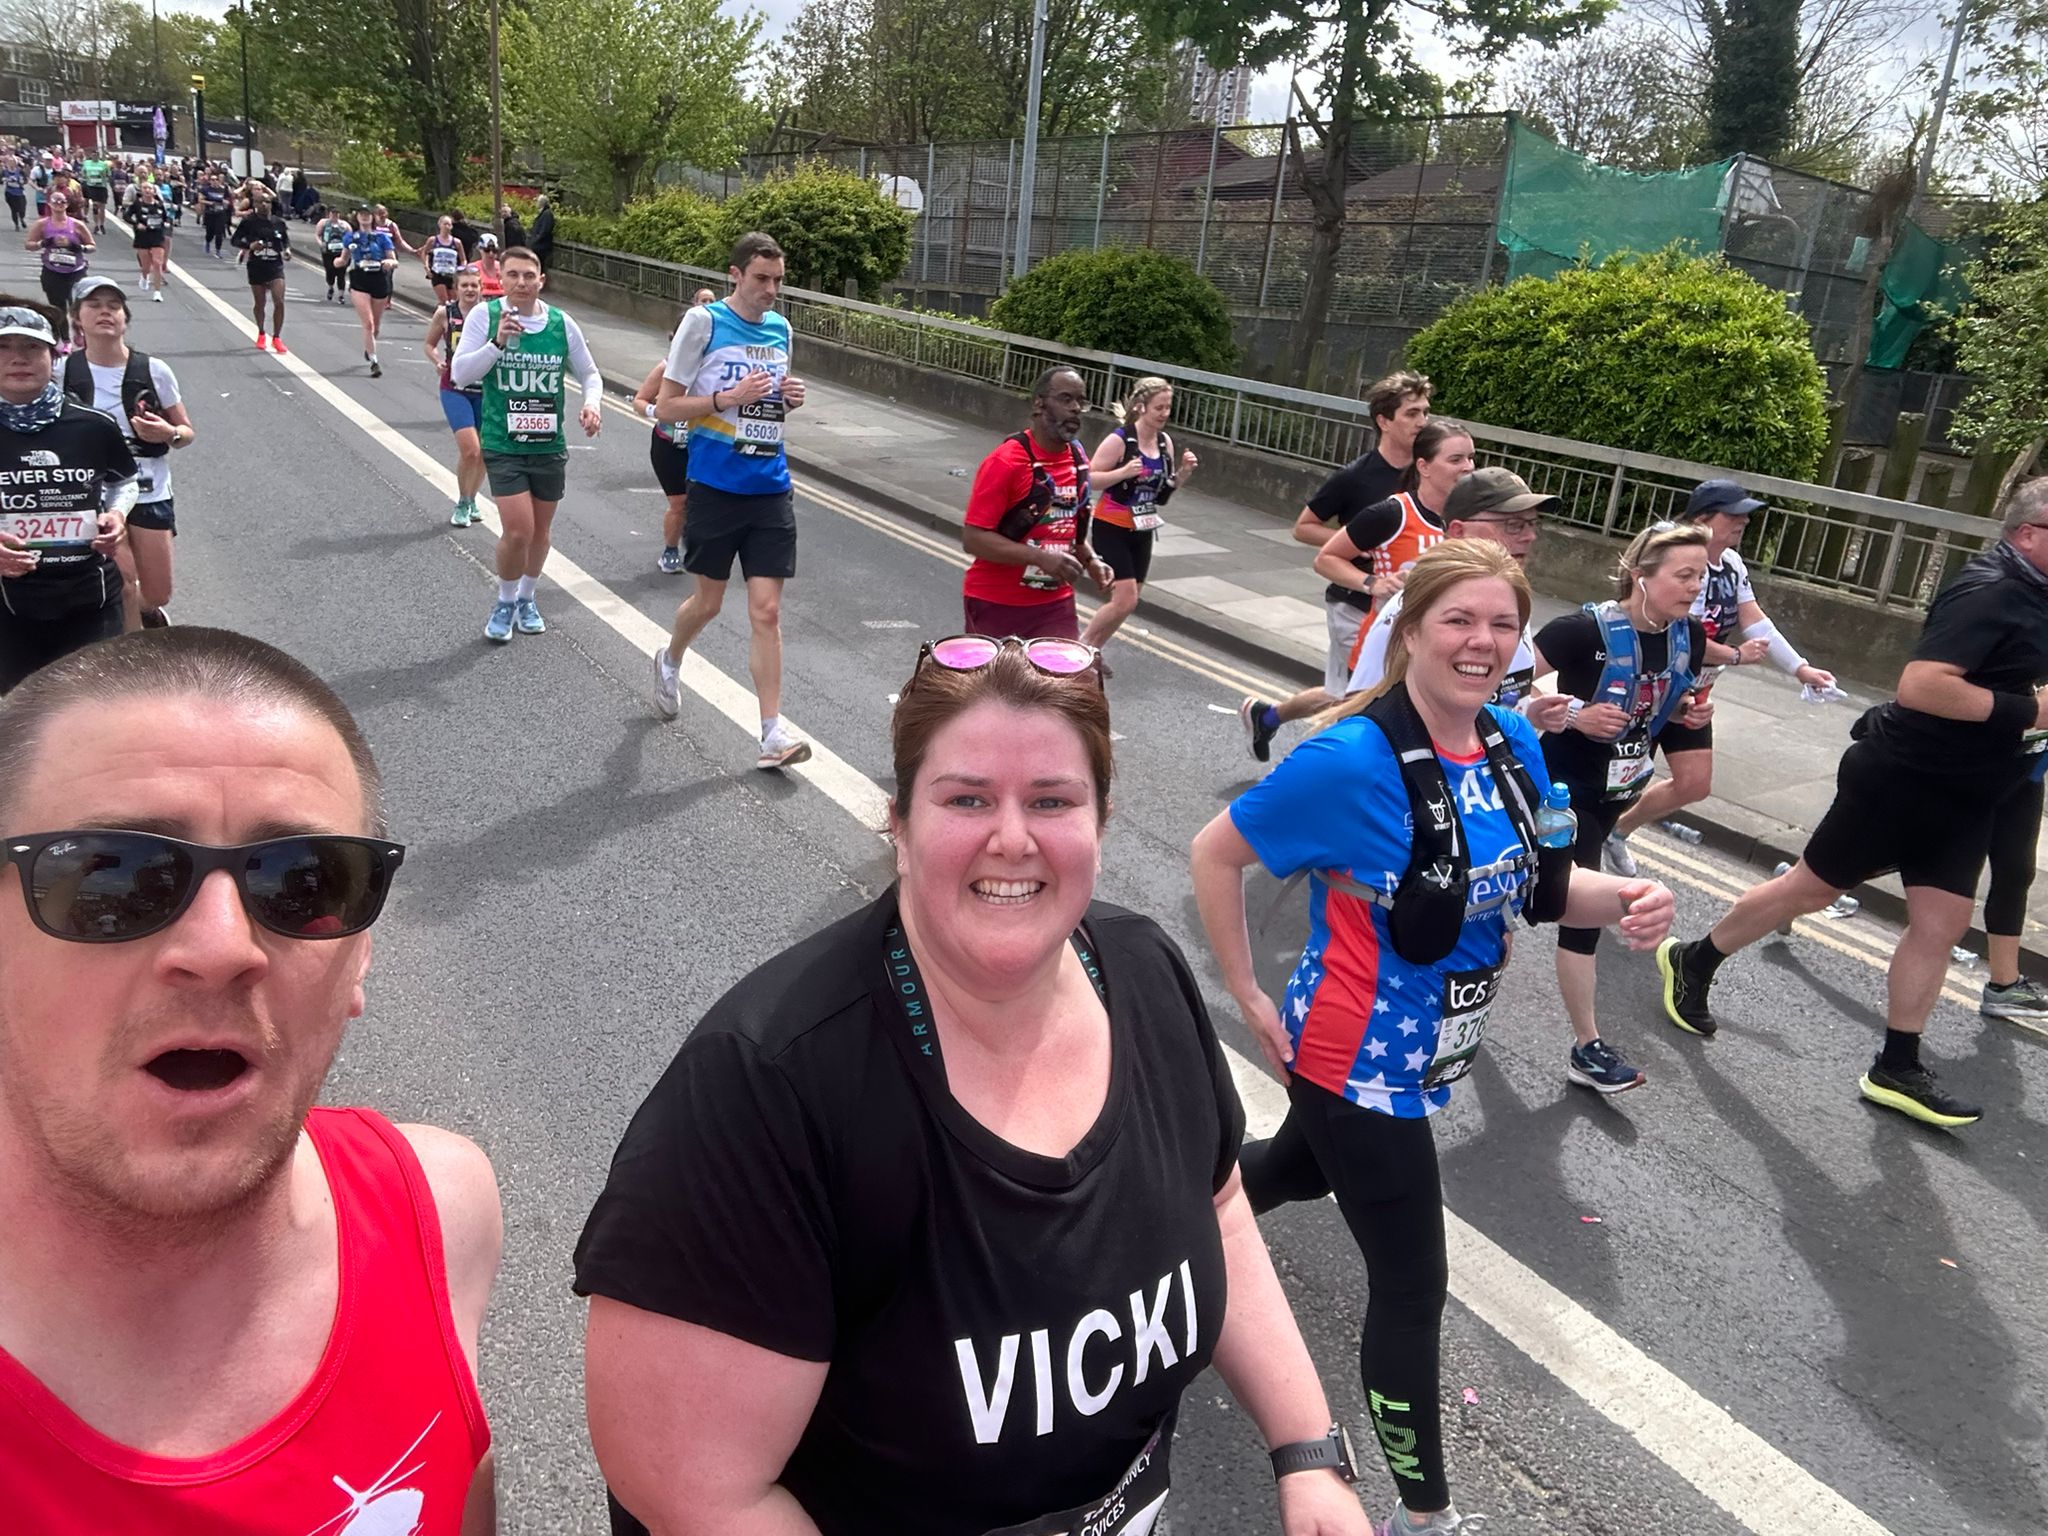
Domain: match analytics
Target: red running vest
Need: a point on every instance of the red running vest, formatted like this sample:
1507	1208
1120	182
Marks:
383	1441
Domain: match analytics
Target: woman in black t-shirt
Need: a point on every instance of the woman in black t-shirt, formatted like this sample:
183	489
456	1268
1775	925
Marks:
1602	754
265	244
932	1219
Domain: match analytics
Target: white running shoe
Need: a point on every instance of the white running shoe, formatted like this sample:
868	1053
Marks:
1619	859
782	750
668	691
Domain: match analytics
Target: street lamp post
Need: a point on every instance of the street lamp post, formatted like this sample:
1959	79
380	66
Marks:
248	120
497	142
1027	180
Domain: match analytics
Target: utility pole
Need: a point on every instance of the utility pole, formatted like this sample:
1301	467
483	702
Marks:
156	51
497	140
1027	181
1948	77
248	118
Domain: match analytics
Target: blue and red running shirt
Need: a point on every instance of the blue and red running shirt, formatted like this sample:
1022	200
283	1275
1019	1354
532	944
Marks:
1366	1024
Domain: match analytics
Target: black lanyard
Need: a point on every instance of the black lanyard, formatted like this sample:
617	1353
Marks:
906	985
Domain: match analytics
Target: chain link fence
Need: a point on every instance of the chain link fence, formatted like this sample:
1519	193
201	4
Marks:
1420	209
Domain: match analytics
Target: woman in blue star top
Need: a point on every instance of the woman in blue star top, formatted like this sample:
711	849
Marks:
1408	933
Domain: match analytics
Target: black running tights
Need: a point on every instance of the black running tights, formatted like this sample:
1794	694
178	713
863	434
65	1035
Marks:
1384	1174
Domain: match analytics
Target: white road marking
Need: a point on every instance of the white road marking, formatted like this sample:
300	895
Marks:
844	784
1729	1464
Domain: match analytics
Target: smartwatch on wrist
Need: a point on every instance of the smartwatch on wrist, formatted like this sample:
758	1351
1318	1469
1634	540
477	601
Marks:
1333	1451
1572	712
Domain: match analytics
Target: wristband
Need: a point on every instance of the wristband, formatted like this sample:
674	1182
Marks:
2013	713
715	406
1332	1451
650	410
1572	712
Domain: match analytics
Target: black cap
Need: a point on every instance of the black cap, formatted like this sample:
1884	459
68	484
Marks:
1711	496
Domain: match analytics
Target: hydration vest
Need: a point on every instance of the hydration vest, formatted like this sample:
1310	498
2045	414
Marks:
1427	911
1026	513
1622	674
137	390
1162	484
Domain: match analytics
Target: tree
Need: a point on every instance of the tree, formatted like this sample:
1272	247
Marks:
1753	76
1617	95
1851	69
615	87
405	74
2002	338
2001	114
1364	66
909	71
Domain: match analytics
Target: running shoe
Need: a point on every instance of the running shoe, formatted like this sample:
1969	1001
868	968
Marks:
668	692
157	297
460	517
670	562
499	628
782	750
1619	859
277	346
262	342
2024	999
1253	713
155	618
1599	1067
1443	1523
529	619
1685	997
1914	1091
376	368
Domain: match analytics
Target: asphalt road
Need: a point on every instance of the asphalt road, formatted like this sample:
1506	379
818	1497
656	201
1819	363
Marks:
584	879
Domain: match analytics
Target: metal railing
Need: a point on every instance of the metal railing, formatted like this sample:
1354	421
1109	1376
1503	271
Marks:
1890	553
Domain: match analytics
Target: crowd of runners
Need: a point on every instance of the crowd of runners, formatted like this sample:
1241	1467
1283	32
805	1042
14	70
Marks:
787	1330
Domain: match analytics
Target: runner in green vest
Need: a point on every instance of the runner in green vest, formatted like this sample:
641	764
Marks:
94	174
519	349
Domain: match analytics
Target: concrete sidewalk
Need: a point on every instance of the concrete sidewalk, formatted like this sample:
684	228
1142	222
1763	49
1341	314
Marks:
1233	576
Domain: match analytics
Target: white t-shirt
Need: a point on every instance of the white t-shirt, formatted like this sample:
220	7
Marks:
1372	656
155	476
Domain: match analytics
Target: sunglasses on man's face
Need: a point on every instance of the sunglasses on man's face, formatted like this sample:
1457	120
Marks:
107	887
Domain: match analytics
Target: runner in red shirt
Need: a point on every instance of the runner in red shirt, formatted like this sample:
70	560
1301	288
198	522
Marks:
222	1311
1027	522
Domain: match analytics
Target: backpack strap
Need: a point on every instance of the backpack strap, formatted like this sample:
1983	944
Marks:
78	378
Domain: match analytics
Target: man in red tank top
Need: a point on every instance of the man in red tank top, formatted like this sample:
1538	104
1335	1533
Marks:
221	1310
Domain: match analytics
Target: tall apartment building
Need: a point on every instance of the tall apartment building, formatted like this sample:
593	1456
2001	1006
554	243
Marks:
1221	96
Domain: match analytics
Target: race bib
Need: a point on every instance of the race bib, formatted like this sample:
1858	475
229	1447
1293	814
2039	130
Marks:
336	247
1131	1508
1628	768
443	258
759	434
1044	581
1146	522
48	530
1468	998
532	421
63	258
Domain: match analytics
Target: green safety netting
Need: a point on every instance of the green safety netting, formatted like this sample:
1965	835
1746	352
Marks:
1557	206
1921	276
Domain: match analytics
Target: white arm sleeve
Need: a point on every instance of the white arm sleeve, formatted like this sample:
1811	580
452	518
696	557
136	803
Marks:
586	366
1784	655
686	351
476	356
1372	656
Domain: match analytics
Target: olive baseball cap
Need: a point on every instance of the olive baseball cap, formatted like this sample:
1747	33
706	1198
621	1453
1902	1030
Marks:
1492	491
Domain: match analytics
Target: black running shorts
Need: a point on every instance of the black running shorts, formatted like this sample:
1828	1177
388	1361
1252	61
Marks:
1935	830
671	465
757	531
1125	551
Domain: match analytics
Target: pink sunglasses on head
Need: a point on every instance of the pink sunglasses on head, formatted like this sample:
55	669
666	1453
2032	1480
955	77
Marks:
970	653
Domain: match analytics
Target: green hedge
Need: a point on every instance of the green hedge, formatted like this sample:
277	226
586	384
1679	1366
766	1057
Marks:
1671	354
1142	303
835	227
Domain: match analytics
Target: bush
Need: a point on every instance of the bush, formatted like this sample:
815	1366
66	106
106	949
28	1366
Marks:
372	176
474	204
833	226
1142	303
1671	354
679	225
